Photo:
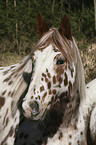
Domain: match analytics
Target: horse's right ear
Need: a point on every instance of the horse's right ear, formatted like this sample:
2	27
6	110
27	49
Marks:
42	27
65	28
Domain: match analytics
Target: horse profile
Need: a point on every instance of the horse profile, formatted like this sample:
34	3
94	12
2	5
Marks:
48	86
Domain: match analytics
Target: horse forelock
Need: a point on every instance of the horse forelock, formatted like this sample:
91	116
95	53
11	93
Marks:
54	37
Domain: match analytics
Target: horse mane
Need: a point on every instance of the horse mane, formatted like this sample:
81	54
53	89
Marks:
70	52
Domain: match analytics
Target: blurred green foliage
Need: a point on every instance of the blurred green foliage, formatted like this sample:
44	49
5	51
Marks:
18	20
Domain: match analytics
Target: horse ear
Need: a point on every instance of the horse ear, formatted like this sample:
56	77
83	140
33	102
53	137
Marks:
42	27
65	28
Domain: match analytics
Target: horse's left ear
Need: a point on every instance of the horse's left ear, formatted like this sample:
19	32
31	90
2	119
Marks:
65	28
42	27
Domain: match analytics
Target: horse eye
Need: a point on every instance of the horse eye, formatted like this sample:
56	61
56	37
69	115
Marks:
60	61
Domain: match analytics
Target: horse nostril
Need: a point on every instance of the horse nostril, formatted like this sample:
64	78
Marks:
35	107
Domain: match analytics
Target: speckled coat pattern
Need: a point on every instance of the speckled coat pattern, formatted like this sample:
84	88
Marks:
36	133
43	99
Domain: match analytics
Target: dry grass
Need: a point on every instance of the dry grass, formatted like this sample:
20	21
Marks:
89	62
9	58
88	56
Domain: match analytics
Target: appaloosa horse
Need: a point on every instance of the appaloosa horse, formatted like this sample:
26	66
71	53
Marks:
48	86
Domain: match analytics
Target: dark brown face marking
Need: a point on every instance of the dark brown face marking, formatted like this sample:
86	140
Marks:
70	136
5	116
41	88
11	131
52	98
70	86
72	70
46	80
65	80
9	93
54	91
31	97
7	79
42	79
78	142
12	94
49	85
10	82
7	120
81	133
38	97
75	127
44	75
2	101
60	135
34	90
43	97
49	76
46	70
3	93
54	79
